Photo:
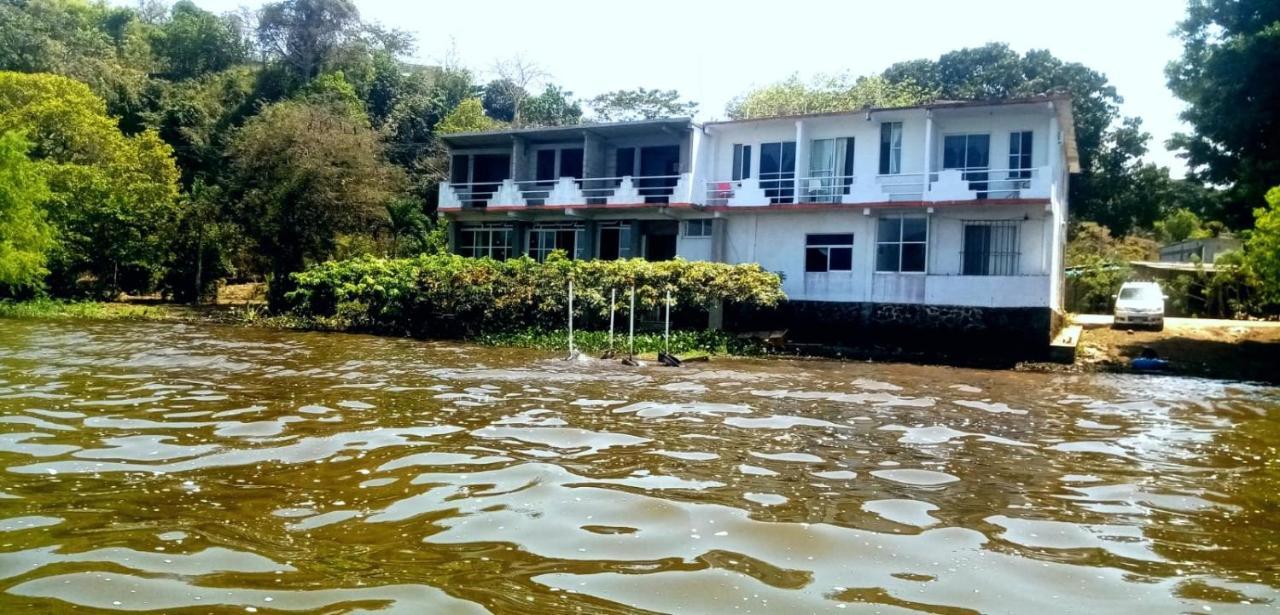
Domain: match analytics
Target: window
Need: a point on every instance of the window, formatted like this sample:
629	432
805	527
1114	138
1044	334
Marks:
571	162
615	241
494	242
828	252
890	148
625	160
990	247
971	154
778	170
741	161
901	244
697	228
1020	156
830	170
544	239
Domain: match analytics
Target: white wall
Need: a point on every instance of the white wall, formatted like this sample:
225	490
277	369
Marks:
777	242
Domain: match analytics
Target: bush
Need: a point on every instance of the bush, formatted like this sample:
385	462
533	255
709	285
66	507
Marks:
443	295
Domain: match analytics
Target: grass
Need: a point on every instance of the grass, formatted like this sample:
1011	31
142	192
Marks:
594	342
56	308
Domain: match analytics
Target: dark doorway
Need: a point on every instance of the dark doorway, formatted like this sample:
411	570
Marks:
660	239
971	154
487	173
658	165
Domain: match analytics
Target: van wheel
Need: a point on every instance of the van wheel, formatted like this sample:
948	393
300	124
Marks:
1159	326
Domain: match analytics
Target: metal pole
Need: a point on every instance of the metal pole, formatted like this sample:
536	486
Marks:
666	331
613	298
631	335
571	317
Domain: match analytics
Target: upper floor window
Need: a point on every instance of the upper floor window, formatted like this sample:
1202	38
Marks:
778	170
697	228
902	244
1020	154
890	148
828	252
741	161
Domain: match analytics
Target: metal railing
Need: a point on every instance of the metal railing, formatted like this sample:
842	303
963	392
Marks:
904	186
824	188
719	192
998	183
650	188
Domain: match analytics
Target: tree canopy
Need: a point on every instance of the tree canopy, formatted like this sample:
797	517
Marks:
25	236
825	93
1227	75
640	104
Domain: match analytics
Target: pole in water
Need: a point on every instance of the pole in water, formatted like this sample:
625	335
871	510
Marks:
666	330
613	299
631	334
570	319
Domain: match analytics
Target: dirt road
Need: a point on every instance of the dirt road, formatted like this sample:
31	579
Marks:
1231	349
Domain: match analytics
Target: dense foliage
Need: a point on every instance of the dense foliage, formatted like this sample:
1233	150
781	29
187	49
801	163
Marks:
25	236
451	295
1227	75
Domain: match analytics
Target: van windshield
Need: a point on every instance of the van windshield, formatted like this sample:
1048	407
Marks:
1140	292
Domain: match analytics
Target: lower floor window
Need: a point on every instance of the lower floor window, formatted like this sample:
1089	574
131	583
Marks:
828	252
901	244
543	240
496	242
990	247
615	242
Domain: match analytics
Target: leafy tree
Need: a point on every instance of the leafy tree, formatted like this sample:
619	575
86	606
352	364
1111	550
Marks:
1262	252
824	94
1179	225
196	117
467	117
553	107
305	34
332	90
301	175
195	42
1227	76
25	237
500	99
640	104
110	195
203	245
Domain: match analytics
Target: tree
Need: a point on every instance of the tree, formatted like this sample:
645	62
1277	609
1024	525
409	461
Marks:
25	237
1179	225
553	107
1262	252
301	175
516	77
1227	76
640	104
195	42
823	94
407	225
304	34
501	98
467	117
110	195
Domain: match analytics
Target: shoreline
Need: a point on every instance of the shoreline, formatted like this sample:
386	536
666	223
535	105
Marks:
1223	350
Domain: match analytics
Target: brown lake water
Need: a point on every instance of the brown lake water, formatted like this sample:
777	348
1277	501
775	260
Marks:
184	468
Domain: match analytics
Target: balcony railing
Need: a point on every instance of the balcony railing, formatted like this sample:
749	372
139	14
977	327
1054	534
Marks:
946	185
651	189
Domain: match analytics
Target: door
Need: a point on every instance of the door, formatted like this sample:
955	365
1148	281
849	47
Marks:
659	166
971	154
778	170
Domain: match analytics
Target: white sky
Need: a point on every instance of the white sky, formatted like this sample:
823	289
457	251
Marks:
713	51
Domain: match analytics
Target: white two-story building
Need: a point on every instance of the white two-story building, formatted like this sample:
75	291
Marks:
956	206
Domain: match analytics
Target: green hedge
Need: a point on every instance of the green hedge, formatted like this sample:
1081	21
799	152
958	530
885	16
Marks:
444	295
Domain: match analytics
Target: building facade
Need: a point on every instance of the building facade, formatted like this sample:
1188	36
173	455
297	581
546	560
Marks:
951	213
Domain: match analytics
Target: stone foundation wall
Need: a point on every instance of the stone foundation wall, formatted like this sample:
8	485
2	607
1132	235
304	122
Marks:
1019	332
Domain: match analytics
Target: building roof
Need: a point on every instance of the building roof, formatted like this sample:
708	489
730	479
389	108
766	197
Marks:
560	133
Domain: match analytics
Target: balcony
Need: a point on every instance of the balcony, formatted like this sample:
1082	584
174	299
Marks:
974	184
569	192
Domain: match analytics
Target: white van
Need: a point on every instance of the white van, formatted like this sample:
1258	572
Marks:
1140	303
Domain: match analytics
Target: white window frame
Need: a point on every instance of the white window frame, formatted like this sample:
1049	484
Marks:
1006	262
705	223
538	253
895	147
808	244
624	232
900	243
487	231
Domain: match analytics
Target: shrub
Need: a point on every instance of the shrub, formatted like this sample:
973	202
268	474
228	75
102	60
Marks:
444	295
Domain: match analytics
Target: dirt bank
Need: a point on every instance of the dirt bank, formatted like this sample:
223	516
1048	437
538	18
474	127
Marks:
1236	350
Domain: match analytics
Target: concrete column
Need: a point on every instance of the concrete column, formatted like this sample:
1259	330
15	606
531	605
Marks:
592	155
686	153
519	159
453	235
719	237
928	151
802	160
589	239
